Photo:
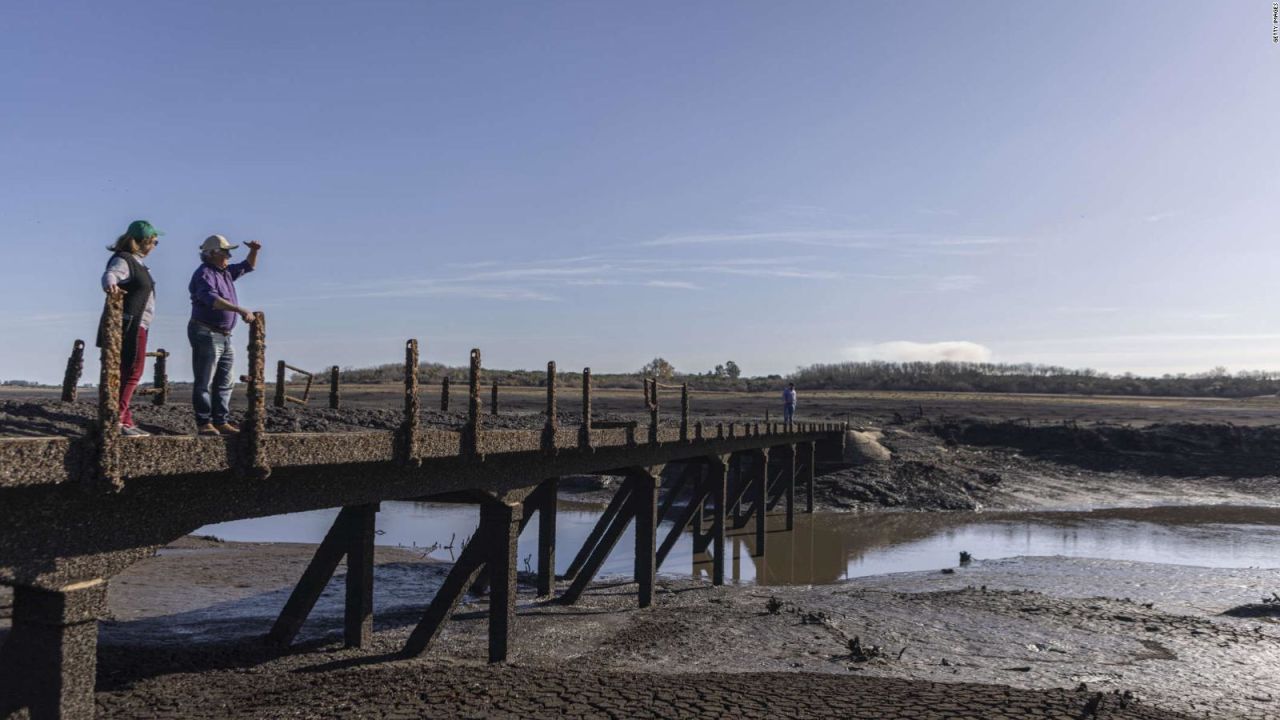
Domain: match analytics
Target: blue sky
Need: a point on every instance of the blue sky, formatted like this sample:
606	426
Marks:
1084	184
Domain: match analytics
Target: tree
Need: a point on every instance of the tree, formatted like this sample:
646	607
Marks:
659	368
732	370
719	371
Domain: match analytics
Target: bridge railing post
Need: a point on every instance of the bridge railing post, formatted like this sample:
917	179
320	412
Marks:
254	431
335	399
107	428
279	398
549	429
684	412
444	394
584	430
409	423
493	400
160	381
75	367
471	434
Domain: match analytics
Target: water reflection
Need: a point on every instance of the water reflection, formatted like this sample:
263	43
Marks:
826	548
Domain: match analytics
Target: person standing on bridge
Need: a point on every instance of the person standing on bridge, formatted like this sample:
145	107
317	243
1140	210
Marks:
789	403
126	275
214	310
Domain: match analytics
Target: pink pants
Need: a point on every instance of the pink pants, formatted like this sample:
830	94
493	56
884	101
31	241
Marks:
130	374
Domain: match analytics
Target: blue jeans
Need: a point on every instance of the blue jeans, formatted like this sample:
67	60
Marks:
211	359
788	411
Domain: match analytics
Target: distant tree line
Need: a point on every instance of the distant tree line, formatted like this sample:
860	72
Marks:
874	375
1030	378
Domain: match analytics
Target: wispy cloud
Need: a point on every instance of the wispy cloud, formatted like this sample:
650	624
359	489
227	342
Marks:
908	351
958	283
941	243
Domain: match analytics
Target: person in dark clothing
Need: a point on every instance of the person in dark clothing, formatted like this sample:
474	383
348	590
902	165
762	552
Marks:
125	274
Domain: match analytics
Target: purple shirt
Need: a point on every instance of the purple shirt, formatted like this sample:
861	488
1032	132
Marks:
208	284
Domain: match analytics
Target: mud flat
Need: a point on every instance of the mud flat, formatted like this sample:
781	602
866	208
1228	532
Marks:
1029	637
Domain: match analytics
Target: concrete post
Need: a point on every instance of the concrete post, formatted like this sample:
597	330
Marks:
255	416
107	428
547	537
358	616
684	412
160	382
807	457
584	431
645	505
471	434
335	399
75	366
717	478
760	471
493	400
549	429
279	399
444	394
409	423
49	662
505	521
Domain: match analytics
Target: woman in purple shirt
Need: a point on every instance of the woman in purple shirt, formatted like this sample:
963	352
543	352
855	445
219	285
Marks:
214	310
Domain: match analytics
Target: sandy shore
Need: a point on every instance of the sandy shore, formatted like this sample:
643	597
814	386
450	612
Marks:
1030	637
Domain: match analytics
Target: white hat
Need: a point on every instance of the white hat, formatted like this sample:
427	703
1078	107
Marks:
216	242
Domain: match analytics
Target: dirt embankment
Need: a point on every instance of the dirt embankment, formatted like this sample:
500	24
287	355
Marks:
969	464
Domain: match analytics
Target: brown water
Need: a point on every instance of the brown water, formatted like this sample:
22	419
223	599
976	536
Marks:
830	547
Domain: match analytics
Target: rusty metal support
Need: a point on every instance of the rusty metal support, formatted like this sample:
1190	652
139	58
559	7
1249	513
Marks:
471	433
107	429
644	500
547	536
48	663
549	429
408	441
493	399
75	366
584	431
444	394
335	399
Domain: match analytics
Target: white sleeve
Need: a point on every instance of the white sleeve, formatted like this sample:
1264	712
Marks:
116	273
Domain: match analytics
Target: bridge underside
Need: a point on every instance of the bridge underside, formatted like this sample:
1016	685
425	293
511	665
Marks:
65	529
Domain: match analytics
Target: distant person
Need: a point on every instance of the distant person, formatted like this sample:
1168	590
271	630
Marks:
213	317
789	403
126	275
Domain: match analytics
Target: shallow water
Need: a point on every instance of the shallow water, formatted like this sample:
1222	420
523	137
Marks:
829	547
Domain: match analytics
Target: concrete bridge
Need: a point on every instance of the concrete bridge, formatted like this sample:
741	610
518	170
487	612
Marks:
76	511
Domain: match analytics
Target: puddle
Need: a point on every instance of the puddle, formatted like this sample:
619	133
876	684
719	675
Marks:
829	547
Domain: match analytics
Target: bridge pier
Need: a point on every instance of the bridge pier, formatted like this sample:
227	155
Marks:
637	499
49	662
350	536
492	549
547	537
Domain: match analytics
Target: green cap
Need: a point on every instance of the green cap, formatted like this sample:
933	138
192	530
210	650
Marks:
141	230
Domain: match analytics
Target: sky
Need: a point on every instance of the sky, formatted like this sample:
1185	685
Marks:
1086	184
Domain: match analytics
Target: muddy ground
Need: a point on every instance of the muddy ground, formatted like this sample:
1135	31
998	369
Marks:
1027	637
